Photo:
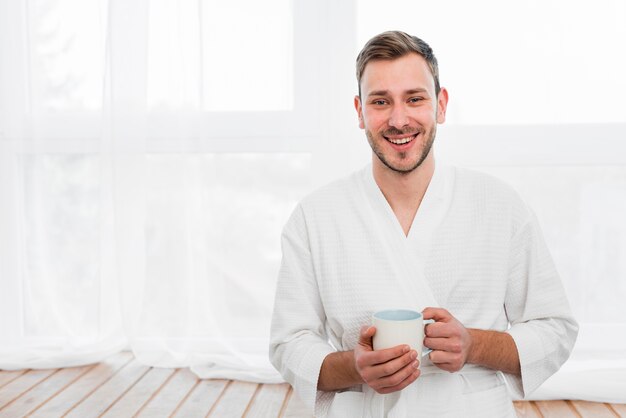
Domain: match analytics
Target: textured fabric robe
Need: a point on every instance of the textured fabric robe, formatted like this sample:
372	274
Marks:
474	248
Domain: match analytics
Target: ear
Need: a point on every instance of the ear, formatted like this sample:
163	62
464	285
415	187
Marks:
442	105
359	111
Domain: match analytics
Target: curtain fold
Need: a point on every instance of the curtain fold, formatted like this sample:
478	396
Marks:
107	244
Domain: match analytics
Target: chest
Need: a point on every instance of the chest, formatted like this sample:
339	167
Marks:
362	273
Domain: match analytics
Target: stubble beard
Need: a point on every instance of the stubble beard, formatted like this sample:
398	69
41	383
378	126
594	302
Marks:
428	143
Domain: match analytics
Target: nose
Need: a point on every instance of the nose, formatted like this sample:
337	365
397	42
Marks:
399	117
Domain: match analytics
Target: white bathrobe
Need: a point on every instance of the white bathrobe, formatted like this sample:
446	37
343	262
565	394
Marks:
474	248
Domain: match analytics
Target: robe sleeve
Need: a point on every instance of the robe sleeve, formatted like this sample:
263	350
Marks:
542	324
298	341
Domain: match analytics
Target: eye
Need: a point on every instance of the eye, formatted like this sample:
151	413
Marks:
379	102
415	99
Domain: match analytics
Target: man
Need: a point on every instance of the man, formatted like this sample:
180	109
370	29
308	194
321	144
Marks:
406	233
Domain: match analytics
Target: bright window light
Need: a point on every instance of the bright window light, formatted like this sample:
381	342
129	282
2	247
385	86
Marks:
67	54
248	65
221	56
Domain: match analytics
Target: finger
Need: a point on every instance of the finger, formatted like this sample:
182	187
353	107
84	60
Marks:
445	360
393	366
370	359
398	377
388	354
367	331
365	336
411	376
443	330
451	345
438	314
434	330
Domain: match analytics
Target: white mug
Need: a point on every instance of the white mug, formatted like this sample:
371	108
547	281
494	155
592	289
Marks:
400	326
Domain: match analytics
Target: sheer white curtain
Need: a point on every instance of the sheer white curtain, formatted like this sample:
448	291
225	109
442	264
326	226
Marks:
60	274
145	176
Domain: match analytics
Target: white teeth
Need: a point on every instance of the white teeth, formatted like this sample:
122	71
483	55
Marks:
400	141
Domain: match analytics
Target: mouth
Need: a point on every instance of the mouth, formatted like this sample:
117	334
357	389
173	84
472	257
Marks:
401	140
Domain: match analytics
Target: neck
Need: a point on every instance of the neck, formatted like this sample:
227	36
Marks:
404	191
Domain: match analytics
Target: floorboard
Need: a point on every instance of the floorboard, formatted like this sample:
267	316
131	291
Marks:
556	409
526	410
139	394
105	396
235	400
165	402
8	376
121	387
17	387
593	409
46	389
64	401
201	399
619	409
268	401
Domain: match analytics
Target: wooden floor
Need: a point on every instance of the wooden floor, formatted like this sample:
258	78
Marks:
120	387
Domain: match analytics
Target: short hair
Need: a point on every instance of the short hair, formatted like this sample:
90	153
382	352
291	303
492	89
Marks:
391	45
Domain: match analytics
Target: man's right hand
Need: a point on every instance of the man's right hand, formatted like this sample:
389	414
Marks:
388	370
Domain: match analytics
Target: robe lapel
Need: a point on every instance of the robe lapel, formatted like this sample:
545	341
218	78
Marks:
406	254
430	215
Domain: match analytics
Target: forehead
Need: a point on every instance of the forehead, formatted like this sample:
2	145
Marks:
405	73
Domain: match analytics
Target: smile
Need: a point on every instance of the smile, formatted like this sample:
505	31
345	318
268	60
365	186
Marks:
401	141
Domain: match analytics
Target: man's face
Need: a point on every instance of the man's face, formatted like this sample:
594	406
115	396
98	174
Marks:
399	111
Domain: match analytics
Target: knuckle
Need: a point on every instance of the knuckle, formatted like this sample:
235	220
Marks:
387	369
366	359
395	380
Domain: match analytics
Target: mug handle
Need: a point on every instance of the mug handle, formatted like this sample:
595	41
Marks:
426	351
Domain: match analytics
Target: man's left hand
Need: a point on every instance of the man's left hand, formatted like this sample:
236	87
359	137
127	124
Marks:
448	338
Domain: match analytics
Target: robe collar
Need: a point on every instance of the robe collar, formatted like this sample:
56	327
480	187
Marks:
432	206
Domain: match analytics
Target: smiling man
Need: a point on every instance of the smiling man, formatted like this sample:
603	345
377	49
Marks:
404	232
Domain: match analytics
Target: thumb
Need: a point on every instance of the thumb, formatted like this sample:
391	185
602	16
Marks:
365	337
